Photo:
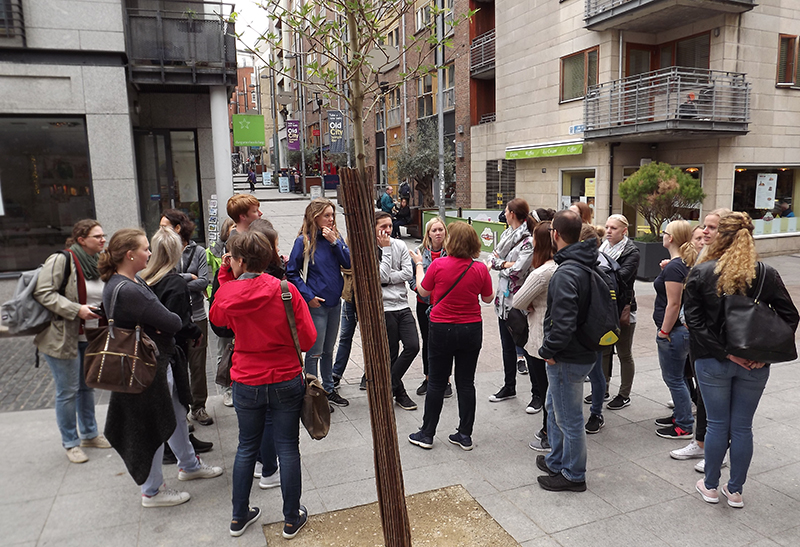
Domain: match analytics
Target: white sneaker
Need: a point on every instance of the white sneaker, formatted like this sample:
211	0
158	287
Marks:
271	481
688	452
205	471
227	397
257	471
76	455
700	467
165	497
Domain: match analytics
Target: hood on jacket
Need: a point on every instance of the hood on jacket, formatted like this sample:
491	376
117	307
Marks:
584	252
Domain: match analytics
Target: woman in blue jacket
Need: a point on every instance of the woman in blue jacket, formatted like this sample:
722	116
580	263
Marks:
314	268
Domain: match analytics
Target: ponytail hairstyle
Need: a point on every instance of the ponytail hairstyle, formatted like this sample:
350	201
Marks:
735	252
127	239
81	229
545	214
522	212
681	232
167	247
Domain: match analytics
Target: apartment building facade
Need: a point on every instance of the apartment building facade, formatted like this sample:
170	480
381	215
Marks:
587	91
112	109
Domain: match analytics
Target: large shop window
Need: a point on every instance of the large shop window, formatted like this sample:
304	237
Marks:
767	194
578	186
46	187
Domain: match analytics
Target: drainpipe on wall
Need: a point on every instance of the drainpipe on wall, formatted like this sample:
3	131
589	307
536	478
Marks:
611	177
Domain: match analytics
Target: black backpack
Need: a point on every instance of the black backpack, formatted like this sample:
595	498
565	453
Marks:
612	269
600	328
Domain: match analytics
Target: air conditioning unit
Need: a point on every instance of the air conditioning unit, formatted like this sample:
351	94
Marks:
645	161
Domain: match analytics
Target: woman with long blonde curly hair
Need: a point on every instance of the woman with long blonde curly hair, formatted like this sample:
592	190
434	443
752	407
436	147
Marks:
314	267
731	386
672	338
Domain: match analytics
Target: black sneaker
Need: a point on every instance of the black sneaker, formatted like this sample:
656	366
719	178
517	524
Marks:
505	392
200	447
673	432
459	439
423	387
330	407
522	366
619	402
169	458
335	399
588	399
669	421
560	483
239	526
290	530
448	391
363	385
421	439
594	424
405	402
535	405
336	381
542	465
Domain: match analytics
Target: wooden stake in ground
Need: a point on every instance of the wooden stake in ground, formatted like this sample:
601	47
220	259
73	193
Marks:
359	213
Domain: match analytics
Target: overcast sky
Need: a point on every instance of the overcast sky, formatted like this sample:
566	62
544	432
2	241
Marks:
250	15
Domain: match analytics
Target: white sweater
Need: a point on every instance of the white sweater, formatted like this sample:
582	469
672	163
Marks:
533	293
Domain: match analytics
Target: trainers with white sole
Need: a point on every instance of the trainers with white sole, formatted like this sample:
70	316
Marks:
165	497
734	498
238	527
710	495
205	471
257	470
700	466
689	452
271	481
76	455
96	442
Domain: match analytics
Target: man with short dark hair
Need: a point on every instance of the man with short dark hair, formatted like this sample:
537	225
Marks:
568	361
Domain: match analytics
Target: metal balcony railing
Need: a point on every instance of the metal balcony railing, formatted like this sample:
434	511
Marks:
449	99
488	118
593	7
482	52
670	98
164	43
12	24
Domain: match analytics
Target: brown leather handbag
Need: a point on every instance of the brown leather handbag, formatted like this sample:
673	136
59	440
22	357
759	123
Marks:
316	411
117	359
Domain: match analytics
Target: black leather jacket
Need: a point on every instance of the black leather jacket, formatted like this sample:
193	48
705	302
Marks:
705	316
628	266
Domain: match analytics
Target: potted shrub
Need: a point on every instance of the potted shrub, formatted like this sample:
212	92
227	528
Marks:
658	191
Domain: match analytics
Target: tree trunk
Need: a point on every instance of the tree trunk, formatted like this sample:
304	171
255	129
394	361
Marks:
356	194
425	188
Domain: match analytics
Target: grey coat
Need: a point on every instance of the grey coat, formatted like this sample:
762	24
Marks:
60	338
196	264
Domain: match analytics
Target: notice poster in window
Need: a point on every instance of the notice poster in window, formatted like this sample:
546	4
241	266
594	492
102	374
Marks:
590	187
765	190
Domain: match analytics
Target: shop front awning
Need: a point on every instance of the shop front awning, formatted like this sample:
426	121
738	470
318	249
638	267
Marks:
545	150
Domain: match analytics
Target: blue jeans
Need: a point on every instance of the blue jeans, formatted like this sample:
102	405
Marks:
672	358
326	321
598	383
731	394
74	400
565	429
179	443
349	321
268	414
462	344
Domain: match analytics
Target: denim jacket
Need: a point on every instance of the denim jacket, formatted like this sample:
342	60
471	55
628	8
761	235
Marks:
427	258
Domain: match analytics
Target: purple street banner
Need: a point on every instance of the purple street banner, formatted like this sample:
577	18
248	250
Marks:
336	131
293	134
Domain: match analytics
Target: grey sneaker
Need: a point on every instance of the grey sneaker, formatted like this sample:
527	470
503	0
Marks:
227	397
200	416
540	444
205	471
165	497
271	481
700	466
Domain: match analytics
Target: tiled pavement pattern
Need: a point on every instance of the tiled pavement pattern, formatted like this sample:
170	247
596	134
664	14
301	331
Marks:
636	494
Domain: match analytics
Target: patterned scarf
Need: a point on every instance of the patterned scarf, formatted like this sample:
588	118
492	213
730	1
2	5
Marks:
614	251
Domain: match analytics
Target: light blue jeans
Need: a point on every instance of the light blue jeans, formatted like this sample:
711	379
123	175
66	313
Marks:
179	443
348	322
326	320
565	429
731	394
672	358
74	400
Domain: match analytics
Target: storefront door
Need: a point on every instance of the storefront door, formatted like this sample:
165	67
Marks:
167	168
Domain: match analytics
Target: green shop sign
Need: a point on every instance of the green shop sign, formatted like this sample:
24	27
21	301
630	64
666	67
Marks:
545	152
248	130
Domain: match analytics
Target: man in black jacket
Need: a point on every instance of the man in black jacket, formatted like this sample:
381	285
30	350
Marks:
569	362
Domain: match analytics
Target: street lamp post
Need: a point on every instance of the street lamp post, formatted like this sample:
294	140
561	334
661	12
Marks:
301	98
275	142
321	164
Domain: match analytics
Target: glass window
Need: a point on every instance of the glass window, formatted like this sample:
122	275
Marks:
425	103
787	55
767	194
693	52
45	184
578	71
578	185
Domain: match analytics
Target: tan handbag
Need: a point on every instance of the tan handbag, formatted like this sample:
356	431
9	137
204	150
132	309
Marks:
316	411
121	360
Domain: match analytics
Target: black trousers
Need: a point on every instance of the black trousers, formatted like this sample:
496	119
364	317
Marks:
401	327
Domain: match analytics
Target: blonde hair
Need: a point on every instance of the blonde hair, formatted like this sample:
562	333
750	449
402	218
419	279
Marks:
426	239
121	242
167	247
620	218
309	230
681	233
735	252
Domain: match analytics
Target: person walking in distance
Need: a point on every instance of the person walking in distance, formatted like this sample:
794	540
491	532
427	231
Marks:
568	360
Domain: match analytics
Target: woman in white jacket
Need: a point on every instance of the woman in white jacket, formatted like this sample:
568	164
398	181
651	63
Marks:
532	296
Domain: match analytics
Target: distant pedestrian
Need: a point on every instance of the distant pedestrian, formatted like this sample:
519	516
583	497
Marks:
251	179
387	201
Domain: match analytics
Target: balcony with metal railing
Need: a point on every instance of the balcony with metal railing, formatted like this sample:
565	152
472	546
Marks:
482	56
656	15
674	103
181	48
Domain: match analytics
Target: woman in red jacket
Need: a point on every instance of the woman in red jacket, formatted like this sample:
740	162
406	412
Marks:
267	376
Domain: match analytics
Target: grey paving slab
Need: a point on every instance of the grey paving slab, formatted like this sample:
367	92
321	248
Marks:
610	532
513	519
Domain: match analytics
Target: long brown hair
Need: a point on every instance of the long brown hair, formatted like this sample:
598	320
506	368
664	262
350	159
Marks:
309	230
522	212
542	244
121	242
735	252
81	229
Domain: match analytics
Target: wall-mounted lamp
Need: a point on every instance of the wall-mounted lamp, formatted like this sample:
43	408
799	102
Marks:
544	169
716	32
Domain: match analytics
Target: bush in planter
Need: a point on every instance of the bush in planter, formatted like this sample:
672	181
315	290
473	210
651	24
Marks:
657	190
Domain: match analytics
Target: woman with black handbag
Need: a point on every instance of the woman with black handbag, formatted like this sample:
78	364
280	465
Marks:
267	376
732	379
